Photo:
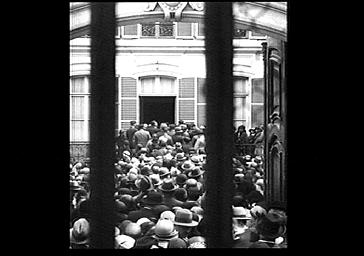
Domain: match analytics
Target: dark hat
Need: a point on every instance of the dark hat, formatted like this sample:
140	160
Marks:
181	179
152	198
121	207
165	230
146	170
184	218
145	242
177	243
269	226
195	172
254	197
168	185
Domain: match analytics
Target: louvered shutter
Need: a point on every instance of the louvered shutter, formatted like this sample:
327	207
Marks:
257	90
201	101
257	104
128	101
186	100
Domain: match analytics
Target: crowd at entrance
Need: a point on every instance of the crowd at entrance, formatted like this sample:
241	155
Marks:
160	193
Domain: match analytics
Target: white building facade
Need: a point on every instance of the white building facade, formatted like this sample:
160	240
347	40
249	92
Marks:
160	75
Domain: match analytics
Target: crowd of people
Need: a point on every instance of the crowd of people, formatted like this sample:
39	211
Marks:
160	192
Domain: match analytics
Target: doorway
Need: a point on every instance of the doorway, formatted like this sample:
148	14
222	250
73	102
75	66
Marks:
159	108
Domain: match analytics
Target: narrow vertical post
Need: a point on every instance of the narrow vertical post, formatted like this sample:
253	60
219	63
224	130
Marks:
102	124
267	184
219	137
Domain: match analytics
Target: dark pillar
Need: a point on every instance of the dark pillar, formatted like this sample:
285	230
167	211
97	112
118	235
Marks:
102	124
219	138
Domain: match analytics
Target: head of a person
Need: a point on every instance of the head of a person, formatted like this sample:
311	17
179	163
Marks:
133	230
184	222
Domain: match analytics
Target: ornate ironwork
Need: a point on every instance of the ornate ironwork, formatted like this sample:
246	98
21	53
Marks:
148	30
166	29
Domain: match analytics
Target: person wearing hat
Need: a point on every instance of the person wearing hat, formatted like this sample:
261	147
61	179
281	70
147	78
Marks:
168	188
197	174
147	207
153	143
240	217
133	230
164	173
165	231
187	166
80	234
177	243
124	242
144	184
184	223
196	242
181	179
269	227
141	136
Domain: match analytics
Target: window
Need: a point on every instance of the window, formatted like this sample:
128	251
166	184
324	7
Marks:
255	35
184	30
240	33
79	109
240	108
200	30
130	31
158	85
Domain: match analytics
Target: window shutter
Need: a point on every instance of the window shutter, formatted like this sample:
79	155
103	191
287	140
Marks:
186	88
128	101
184	29
187	110
257	115
201	92
257	90
201	115
186	93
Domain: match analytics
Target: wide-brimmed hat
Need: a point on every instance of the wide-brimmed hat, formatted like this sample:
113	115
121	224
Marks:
152	198
144	183
187	166
79	233
240	213
195	160
163	172
168	185
184	218
195	172
165	230
180	157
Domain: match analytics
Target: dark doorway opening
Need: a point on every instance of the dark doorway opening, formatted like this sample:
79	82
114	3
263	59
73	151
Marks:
160	108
